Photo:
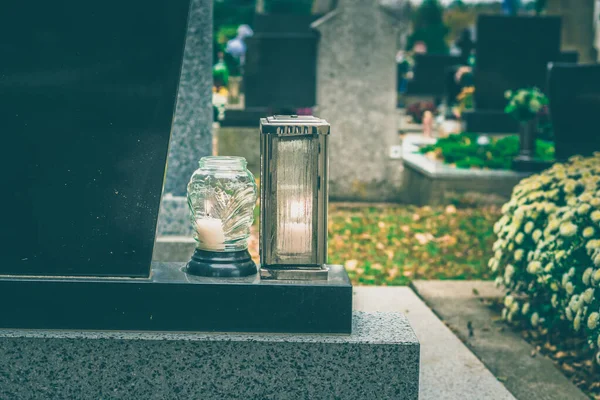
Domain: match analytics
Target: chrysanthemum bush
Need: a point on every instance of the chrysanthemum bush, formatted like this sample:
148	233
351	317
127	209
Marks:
548	250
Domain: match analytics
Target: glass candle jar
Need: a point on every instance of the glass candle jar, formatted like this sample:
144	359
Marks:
221	196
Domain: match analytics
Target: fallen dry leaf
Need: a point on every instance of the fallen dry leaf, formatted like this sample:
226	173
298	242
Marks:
351	265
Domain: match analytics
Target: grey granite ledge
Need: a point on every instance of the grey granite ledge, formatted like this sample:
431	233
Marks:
380	360
367	328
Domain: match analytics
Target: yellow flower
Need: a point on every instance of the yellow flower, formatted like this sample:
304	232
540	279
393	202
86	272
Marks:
554	300
525	308
596	216
549	267
519	238
583	209
577	322
508	300
569	314
588	232
535	319
588	295
529	227
553	225
570	186
592	321
518	254
560	254
537	234
595	201
554	287
596	275
569	288
534	267
568	229
514	307
585	197
587	274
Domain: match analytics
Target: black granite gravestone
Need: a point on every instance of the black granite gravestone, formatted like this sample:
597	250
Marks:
574	92
87	93
430	73
281	66
512	52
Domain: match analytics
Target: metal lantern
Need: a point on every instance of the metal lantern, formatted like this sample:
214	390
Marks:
293	222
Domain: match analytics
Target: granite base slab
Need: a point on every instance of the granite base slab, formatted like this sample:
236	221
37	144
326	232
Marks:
431	182
380	360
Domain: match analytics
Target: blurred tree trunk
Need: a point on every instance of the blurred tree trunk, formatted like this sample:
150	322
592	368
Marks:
260	6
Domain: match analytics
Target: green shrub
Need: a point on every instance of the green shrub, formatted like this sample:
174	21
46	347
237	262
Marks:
467	150
548	250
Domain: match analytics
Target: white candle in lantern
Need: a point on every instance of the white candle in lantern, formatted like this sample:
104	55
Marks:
294	238
210	233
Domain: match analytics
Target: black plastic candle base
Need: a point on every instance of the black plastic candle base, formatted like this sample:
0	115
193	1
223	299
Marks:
216	264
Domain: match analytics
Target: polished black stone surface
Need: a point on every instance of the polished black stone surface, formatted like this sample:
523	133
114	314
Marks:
87	93
489	121
429	73
512	53
574	92
171	300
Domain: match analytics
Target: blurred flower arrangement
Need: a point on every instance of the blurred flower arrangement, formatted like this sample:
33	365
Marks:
470	150
465	100
548	250
417	109
219	101
525	104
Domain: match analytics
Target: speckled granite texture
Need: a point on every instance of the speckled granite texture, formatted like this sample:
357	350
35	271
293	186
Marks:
380	360
191	136
174	217
356	94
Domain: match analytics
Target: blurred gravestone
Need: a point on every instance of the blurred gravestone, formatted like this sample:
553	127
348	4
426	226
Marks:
430	73
574	92
87	99
577	26
280	69
512	53
356	93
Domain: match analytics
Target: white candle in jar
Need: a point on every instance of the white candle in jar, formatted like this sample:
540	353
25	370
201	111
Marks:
210	233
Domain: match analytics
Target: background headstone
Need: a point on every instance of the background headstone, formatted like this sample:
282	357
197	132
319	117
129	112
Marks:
577	26
512	52
87	99
430	73
574	92
191	138
356	94
280	70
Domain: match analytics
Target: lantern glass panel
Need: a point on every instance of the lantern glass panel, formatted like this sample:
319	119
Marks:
295	200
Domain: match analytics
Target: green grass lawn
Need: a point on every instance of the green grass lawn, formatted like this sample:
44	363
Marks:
392	245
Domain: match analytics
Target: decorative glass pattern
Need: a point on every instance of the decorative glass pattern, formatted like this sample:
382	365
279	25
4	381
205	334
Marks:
294	201
222	195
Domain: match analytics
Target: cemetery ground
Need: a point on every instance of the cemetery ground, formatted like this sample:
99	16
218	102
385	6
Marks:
391	244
